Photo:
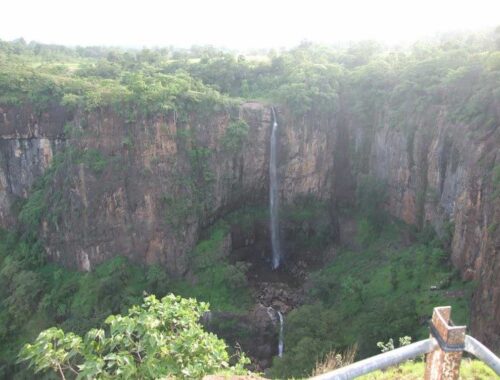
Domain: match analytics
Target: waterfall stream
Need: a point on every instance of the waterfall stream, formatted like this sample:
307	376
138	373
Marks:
280	341
272	315
274	196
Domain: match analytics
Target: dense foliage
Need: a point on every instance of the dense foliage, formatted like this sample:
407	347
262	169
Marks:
380	288
132	89
461	71
217	281
36	294
370	295
160	339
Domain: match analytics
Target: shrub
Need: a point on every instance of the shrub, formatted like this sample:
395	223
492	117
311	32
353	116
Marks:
160	339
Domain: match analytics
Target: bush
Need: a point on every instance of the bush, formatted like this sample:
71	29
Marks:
157	340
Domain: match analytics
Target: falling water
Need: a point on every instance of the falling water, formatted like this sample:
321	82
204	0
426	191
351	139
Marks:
274	197
280	341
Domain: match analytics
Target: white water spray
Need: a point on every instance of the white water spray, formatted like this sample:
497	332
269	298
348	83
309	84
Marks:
274	196
280	341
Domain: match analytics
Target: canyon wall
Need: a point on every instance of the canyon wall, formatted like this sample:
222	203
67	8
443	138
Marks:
145	189
27	146
440	172
161	180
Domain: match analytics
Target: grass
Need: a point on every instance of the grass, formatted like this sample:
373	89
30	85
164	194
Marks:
469	369
335	359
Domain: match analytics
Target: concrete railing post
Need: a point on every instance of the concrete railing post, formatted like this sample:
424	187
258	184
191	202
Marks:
444	362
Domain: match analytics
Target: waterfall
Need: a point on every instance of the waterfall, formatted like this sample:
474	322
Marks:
272	316
274	196
280	341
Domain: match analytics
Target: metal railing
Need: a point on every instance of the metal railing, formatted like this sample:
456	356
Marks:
480	351
444	353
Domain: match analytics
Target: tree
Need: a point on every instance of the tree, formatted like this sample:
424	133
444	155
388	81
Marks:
160	339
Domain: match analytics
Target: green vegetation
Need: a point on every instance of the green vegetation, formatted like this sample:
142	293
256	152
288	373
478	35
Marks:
42	196
36	295
178	210
459	71
199	157
235	135
122	81
371	196
469	369
308	226
218	282
157	340
383	290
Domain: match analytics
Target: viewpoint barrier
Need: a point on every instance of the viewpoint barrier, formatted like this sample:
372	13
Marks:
444	351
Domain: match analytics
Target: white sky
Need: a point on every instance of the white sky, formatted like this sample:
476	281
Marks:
238	24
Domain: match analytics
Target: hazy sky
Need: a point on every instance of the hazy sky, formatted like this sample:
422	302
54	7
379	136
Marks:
238	24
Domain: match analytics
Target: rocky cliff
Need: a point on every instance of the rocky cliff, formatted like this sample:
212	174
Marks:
27	146
145	188
159	180
440	172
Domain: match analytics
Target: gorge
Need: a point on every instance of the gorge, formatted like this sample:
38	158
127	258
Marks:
196	195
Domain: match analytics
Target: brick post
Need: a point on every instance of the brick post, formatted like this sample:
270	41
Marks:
444	362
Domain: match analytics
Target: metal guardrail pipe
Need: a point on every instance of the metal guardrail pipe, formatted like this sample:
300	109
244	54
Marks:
479	350
445	347
380	361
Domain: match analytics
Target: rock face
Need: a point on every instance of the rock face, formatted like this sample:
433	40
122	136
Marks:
442	173
27	146
162	180
308	148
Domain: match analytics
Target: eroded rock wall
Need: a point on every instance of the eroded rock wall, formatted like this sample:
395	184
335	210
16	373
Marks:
165	179
440	172
27	146
162	180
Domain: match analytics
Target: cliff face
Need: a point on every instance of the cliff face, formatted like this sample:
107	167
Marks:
441	173
160	181
27	146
